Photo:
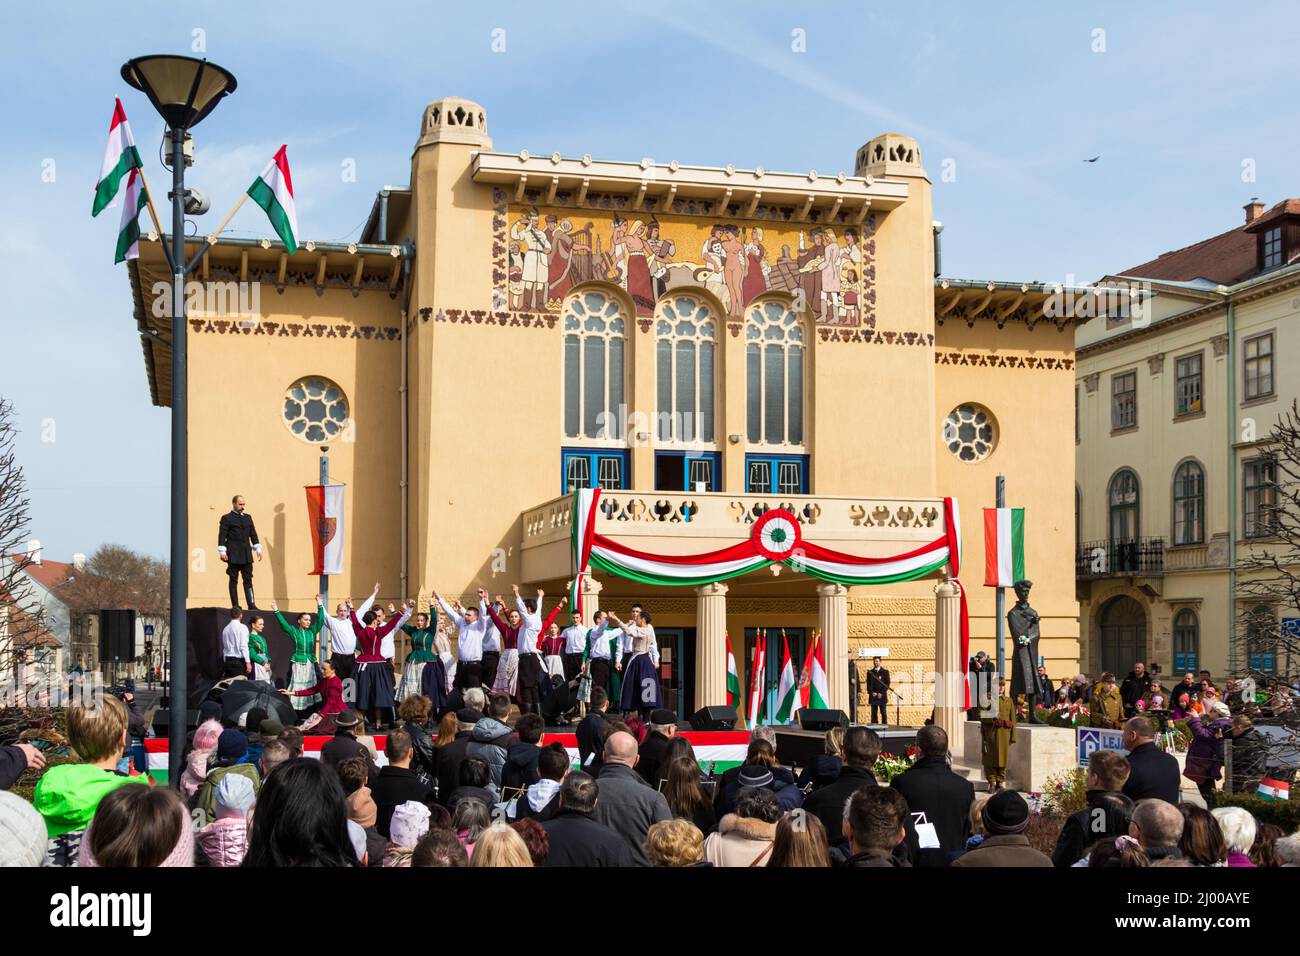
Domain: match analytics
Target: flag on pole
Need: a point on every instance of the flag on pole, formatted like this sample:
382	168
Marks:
575	595
120	157
819	697
1004	546
325	518
273	191
1271	788
756	679
787	691
134	199
733	678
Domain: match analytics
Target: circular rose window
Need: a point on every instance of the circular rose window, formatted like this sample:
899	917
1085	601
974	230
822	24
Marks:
315	409
970	432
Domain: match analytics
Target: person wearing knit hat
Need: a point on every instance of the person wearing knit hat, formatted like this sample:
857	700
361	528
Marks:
410	822
22	832
225	840
230	759
232	748
139	827
1006	818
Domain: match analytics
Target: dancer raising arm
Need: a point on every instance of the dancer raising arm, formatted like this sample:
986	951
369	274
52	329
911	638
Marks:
374	679
302	665
470	627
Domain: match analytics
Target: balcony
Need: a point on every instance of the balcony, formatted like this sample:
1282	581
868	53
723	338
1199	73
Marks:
686	522
1120	558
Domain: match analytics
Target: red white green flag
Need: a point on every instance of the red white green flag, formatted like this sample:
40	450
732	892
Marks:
787	691
1004	547
733	678
120	157
757	679
325	519
273	191
134	199
818	692
1270	788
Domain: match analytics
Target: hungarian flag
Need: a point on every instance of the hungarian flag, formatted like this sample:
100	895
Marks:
128	230
733	678
273	191
120	157
325	518
1270	788
1004	547
757	679
787	691
815	692
575	595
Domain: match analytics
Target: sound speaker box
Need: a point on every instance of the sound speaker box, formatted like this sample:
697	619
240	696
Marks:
116	635
714	718
810	719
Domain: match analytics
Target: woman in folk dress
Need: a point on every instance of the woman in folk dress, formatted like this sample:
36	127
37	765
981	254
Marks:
302	664
507	677
257	650
640	690
422	656
374	679
553	649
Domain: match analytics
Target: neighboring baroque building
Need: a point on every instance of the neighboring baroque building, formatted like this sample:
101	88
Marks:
702	343
1174	409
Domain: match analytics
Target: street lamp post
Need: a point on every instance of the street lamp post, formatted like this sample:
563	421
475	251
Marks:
183	90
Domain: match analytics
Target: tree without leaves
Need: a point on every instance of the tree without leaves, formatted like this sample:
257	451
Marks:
16	590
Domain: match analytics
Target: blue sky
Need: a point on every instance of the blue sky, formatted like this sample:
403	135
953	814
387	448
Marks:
1013	95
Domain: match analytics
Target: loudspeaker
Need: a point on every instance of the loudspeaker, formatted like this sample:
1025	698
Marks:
810	719
116	635
714	718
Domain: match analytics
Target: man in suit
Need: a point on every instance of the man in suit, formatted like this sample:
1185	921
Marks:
237	545
861	748
877	691
931	787
1152	773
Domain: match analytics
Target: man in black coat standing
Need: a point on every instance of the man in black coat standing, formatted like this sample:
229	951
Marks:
1153	774
454	754
397	782
878	692
237	545
576	837
1134	686
930	787
861	748
654	749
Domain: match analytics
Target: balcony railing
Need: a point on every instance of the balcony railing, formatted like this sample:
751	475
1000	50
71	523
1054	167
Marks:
1100	559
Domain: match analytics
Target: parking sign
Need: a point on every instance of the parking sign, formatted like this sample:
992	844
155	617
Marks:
1092	739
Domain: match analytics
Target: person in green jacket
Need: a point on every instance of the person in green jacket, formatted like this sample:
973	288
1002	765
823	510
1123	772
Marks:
257	649
68	795
302	664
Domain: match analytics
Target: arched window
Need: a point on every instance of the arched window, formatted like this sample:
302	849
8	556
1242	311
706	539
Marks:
686	333
1187	641
1189	503
595	330
774	375
1123	497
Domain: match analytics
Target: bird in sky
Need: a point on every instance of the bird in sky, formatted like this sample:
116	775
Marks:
1094	159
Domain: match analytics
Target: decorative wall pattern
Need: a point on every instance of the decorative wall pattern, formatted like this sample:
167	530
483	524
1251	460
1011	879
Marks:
989	359
340	330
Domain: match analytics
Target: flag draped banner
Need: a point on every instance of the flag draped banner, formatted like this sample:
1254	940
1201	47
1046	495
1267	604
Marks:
1004	547
120	158
273	191
325	519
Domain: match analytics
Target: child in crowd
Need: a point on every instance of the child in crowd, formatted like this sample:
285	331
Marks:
225	840
196	762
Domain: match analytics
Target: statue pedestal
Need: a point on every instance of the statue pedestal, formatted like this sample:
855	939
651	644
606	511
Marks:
1039	752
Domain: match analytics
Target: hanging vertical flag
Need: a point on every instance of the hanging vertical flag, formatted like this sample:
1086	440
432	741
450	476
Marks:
757	678
273	191
733	678
134	199
819	697
120	157
1004	547
787	691
575	595
325	519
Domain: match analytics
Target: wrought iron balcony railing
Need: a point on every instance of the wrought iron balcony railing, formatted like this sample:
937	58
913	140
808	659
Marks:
1121	556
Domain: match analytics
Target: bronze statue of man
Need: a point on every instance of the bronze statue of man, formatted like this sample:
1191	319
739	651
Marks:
1022	621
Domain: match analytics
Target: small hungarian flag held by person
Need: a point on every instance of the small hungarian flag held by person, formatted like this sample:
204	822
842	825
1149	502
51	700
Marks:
733	678
787	691
1270	788
273	191
134	199
757	680
120	157
1004	547
325	519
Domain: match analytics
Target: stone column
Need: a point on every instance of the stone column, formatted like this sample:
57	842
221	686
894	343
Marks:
591	589
711	645
950	669
833	620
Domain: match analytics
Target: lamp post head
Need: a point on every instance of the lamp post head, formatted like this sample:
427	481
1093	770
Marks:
183	89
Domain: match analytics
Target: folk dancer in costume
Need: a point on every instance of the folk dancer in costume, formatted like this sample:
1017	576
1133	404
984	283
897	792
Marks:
330	687
234	647
575	646
374	679
257	650
491	643
997	734
536	251
552	648
423	654
640	674
471	623
237	545
530	656
302	665
509	627
601	651
343	642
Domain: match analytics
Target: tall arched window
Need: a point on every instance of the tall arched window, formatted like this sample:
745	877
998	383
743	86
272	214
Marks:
1187	641
774	375
686	334
1123	499
595	330
1189	503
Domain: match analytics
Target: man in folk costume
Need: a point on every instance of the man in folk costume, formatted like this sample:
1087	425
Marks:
530	658
640	690
997	733
601	651
237	545
470	628
575	646
302	664
374	678
343	642
234	646
491	643
536	249
257	650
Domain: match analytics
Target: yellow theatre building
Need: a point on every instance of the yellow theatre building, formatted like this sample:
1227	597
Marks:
702	343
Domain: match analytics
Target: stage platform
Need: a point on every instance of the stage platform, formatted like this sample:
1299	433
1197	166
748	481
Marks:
797	747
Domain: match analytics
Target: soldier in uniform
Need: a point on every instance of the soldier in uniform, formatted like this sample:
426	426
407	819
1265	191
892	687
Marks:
1022	621
997	734
236	545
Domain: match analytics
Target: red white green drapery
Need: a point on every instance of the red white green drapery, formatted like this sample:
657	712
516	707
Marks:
775	538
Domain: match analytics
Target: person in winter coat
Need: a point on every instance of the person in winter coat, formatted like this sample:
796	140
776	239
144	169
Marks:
997	734
760	769
139	827
1249	754
409	823
491	737
1006	818
224	841
22	833
1107	706
520	768
1152	772
361	807
1104	782
627	804
541	801
931	787
414	713
861	749
873	826
345	745
196	761
1134	688
397	783
230	758
825	767
745	837
576	836
1205	753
